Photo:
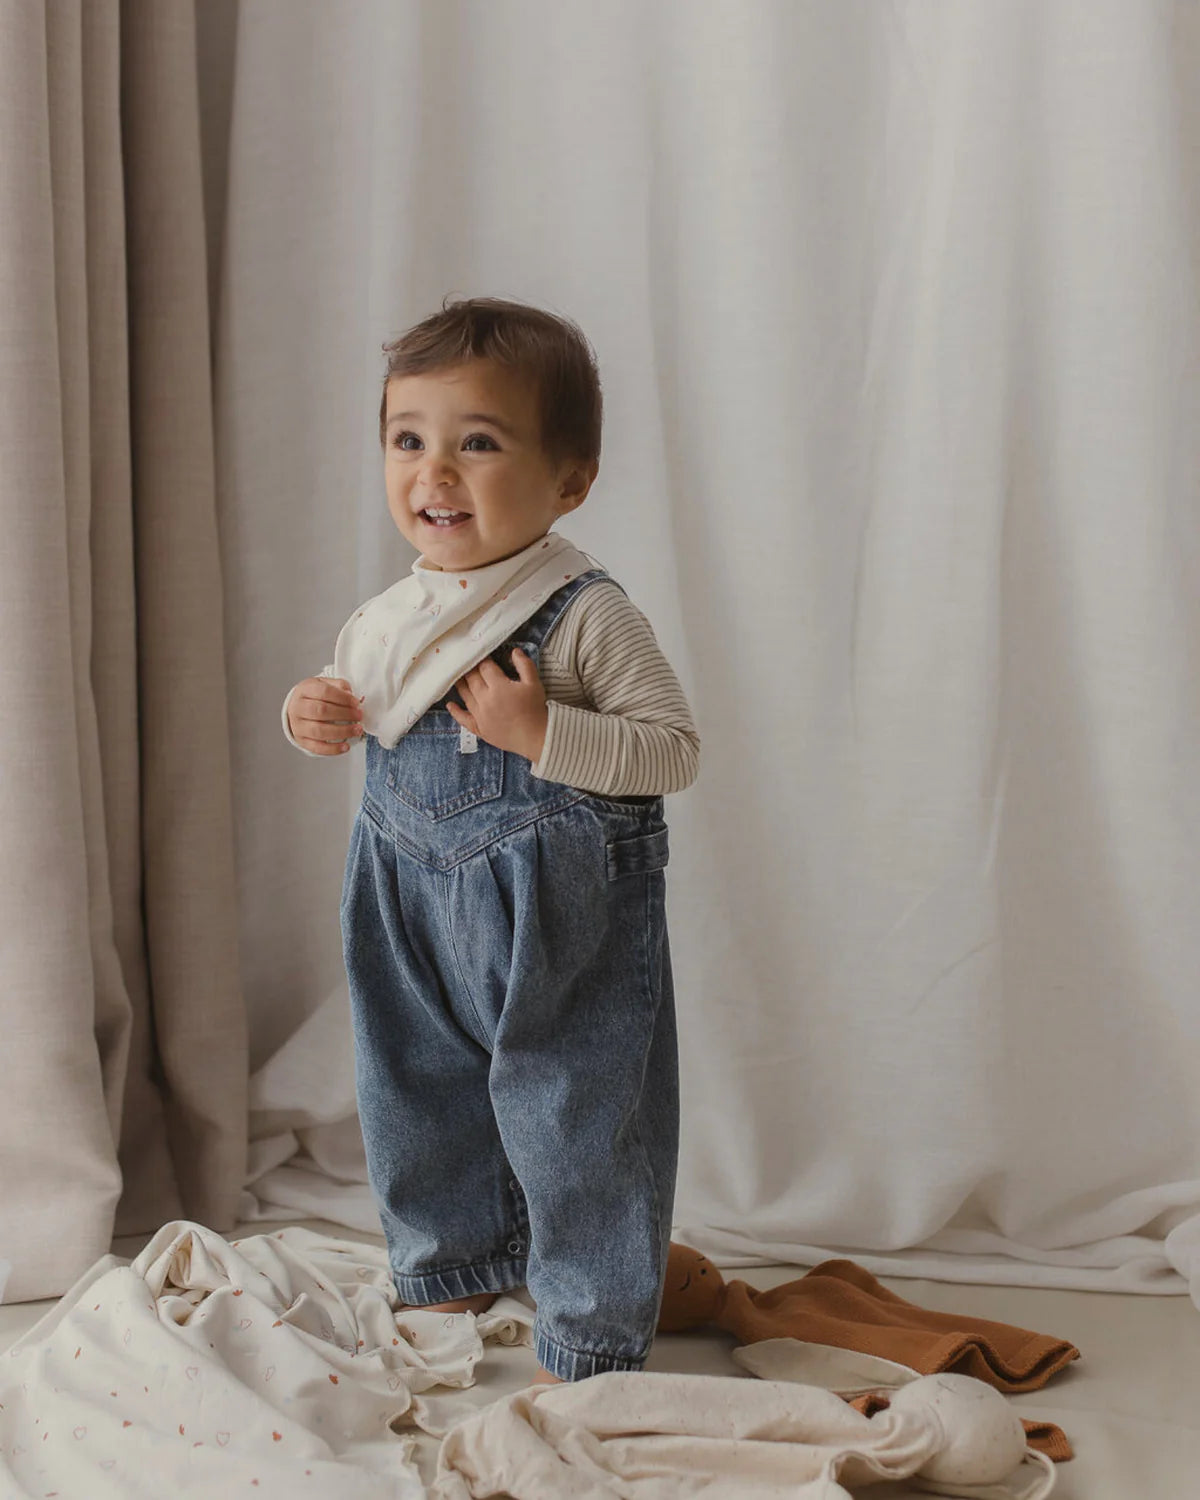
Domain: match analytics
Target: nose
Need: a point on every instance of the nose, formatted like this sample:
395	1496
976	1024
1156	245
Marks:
437	471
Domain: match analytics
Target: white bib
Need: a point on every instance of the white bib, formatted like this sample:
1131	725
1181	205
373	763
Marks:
407	647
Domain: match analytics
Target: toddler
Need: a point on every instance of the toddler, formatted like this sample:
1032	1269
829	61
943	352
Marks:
503	912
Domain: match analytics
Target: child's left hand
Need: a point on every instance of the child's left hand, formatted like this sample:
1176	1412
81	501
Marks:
510	715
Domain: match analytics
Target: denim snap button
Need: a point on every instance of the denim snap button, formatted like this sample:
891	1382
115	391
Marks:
514	1247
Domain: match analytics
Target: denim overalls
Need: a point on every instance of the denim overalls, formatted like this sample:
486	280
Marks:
514	1028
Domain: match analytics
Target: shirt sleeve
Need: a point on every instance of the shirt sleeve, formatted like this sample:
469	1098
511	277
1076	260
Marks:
637	738
287	729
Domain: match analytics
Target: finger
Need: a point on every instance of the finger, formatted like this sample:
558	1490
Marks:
320	713
315	733
331	692
526	671
464	692
463	719
490	672
323	747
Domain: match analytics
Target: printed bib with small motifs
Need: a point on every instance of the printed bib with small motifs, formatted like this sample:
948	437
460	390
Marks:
406	648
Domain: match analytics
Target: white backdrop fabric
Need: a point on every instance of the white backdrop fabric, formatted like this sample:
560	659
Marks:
898	311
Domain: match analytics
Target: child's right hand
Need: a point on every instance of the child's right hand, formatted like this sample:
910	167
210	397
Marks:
324	715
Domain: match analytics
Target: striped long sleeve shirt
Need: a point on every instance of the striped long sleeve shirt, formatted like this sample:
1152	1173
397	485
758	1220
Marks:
619	724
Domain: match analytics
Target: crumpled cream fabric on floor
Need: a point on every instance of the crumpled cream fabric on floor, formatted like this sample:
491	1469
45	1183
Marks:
275	1366
279	1366
647	1436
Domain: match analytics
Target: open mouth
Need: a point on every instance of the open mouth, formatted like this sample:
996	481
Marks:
444	520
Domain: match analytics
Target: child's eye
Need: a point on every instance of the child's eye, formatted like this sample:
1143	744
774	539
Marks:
401	440
478	437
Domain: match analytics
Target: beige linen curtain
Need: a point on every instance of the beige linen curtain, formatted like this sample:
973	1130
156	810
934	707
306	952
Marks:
123	1055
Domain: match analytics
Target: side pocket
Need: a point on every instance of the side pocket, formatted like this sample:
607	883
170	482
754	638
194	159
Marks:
638	855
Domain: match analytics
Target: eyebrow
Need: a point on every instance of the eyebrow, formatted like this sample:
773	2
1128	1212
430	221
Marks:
468	416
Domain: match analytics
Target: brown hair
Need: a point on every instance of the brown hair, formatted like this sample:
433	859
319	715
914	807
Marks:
550	351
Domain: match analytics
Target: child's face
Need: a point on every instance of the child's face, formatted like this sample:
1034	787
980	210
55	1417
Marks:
466	440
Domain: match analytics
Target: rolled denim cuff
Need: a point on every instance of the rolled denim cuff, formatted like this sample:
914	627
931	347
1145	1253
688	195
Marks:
460	1281
579	1364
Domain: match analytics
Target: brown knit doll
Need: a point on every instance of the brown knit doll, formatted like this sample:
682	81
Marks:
839	1304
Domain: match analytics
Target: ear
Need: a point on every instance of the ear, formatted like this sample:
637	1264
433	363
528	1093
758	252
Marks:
575	480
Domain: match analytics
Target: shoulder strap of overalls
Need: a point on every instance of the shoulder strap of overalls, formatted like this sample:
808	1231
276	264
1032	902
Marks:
537	628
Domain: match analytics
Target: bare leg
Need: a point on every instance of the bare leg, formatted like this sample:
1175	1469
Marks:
478	1303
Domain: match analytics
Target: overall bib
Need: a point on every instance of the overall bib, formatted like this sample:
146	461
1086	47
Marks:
514	1029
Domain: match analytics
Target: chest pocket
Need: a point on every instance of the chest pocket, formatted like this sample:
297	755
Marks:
428	773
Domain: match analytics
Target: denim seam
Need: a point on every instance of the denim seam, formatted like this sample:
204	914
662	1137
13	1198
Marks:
655	1002
481	1036
570	798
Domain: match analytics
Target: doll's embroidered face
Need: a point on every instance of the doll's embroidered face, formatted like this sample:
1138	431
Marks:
692	1290
694	1271
467	479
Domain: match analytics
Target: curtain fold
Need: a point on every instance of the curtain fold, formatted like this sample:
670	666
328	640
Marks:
123	1079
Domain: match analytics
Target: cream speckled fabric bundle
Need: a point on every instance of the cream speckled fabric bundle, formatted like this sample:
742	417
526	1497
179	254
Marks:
280	1366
